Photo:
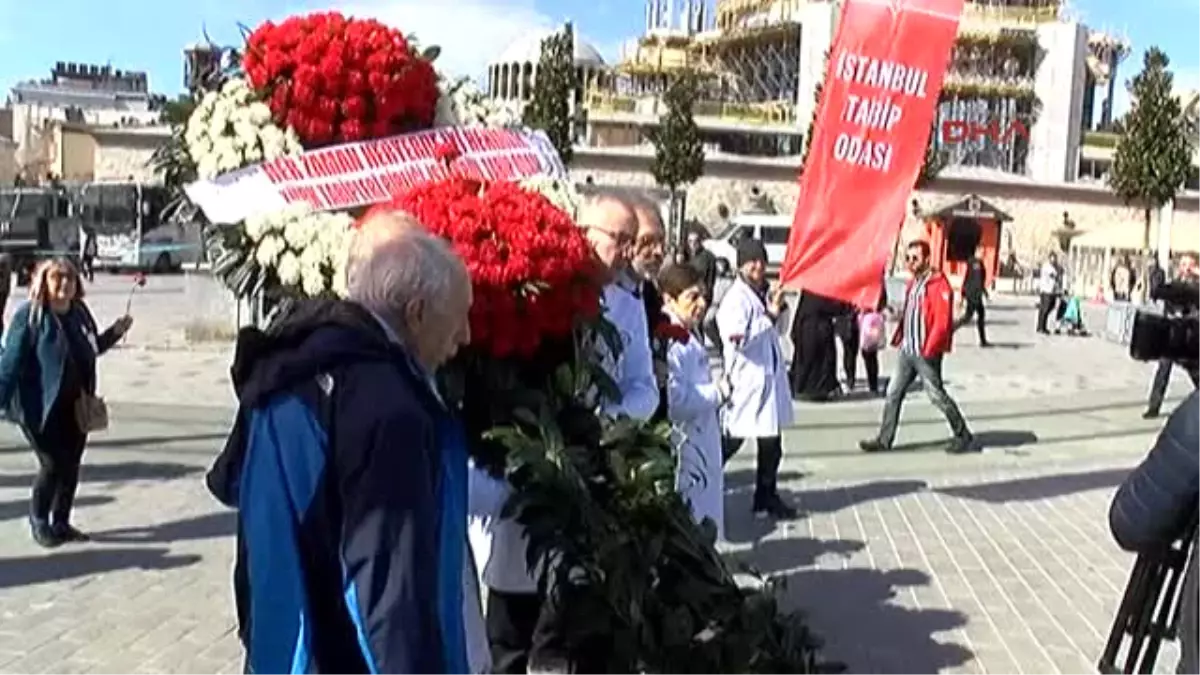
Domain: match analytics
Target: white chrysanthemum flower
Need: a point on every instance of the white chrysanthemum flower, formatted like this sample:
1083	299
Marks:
299	233
288	269
561	193
260	115
269	250
256	226
229	130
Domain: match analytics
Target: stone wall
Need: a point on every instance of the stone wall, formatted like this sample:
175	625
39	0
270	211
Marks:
124	158
8	161
1037	210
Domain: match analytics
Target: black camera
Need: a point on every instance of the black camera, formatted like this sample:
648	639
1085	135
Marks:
1174	334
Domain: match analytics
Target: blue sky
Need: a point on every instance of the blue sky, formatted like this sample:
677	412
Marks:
149	34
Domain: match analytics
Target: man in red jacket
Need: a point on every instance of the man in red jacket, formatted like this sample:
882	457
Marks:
923	337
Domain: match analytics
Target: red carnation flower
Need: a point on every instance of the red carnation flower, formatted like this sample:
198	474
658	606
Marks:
666	329
446	152
533	274
342	79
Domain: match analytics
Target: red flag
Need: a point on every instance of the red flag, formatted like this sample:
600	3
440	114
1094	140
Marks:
869	137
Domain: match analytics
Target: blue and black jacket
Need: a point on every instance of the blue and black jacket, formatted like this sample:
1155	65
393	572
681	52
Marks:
349	477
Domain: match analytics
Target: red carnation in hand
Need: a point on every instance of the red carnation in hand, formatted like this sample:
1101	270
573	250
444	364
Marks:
341	79
666	329
532	272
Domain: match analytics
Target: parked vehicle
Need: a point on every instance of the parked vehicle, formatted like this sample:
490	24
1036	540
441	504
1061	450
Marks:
771	229
35	222
130	233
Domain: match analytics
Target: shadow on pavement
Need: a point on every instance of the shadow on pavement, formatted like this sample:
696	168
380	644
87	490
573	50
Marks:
743	478
208	526
742	527
1038	487
1004	438
114	473
932	417
131	442
40	569
20	507
154	440
854	612
771	556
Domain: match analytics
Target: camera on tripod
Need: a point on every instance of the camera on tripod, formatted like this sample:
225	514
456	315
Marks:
1175	333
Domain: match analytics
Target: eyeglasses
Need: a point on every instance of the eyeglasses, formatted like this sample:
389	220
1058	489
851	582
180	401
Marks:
622	239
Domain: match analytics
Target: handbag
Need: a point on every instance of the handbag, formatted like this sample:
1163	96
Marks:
91	413
870	330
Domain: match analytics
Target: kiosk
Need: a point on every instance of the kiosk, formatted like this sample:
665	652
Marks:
964	229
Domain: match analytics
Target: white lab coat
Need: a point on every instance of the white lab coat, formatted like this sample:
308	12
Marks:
500	543
760	401
693	401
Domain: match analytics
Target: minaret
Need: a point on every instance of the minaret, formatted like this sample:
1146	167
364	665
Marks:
649	15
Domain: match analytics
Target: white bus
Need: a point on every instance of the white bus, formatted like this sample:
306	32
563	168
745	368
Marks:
130	234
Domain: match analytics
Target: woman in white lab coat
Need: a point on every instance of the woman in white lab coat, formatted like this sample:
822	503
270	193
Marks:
693	397
760	403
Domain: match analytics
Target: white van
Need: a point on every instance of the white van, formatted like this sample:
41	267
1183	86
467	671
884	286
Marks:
771	229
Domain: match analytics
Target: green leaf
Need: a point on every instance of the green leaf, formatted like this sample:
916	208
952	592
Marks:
1153	157
549	108
431	53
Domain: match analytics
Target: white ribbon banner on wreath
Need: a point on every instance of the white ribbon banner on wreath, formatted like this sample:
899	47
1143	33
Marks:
346	176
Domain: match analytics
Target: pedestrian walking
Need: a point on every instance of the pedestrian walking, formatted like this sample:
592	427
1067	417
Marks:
974	293
924	336
87	252
48	385
1050	287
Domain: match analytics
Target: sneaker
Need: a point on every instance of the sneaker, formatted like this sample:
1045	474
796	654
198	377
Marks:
67	533
775	507
872	445
962	444
44	535
1150	414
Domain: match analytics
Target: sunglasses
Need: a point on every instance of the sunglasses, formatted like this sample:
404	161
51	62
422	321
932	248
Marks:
912	258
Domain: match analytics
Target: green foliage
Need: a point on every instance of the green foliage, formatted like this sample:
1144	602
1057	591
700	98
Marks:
1154	152
678	149
642	584
549	108
176	113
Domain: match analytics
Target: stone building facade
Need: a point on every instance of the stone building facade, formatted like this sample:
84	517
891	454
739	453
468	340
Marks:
1036	208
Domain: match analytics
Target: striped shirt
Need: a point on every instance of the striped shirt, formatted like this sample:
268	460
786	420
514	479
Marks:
914	324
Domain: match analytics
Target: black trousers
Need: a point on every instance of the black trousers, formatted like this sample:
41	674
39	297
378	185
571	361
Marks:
846	328
87	265
975	309
59	451
1046	303
1162	377
769	452
523	631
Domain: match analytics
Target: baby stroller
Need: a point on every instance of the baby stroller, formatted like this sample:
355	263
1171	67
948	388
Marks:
1070	316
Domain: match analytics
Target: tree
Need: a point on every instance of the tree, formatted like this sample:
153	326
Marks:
678	149
1154	153
549	109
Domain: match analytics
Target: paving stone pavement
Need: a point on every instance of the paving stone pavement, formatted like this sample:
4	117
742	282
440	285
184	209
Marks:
906	562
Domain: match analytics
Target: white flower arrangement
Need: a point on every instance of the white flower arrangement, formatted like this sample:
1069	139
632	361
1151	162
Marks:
463	104
305	249
561	193
229	129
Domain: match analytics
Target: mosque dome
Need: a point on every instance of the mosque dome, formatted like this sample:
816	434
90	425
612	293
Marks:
528	49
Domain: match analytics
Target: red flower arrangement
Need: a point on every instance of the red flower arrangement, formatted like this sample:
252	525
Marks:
335	79
670	331
532	271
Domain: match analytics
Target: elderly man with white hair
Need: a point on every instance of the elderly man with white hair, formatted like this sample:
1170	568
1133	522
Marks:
349	473
521	625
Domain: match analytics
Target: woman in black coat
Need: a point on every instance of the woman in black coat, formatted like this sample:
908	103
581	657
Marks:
814	361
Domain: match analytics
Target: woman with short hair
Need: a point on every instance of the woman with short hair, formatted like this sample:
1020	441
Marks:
693	398
48	387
